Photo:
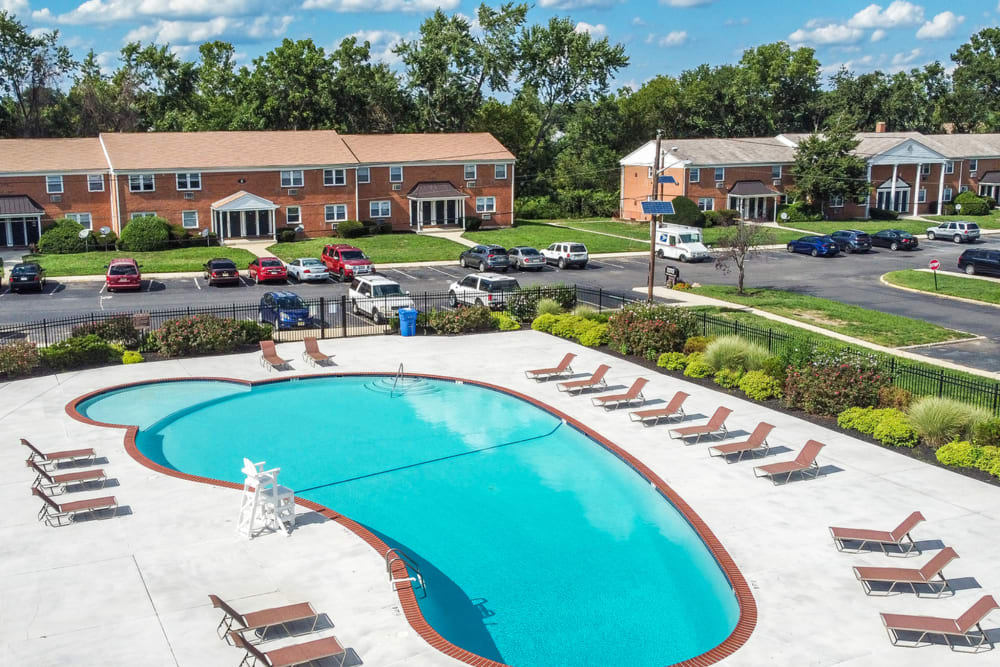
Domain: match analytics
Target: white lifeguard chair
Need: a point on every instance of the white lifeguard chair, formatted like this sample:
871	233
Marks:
264	501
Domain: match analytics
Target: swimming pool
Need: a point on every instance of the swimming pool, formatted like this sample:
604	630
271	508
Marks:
538	546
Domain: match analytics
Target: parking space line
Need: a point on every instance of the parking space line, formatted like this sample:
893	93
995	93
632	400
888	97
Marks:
404	274
607	263
4	293
101	291
444	273
196	283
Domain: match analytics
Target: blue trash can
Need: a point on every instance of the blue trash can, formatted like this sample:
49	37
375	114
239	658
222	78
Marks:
408	321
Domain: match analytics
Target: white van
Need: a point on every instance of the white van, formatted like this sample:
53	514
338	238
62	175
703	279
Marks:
680	242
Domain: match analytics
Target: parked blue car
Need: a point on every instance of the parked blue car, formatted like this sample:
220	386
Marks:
815	246
285	310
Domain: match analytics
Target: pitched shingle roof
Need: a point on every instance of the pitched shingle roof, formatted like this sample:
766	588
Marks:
56	156
965	145
393	148
716	152
434	190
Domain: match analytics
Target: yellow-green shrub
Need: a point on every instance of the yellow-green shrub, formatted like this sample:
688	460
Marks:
697	344
131	357
672	361
505	322
760	386
696	366
595	336
544	322
728	377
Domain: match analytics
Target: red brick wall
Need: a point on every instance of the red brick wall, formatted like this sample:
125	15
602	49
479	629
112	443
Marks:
705	186
983	167
637	186
75	197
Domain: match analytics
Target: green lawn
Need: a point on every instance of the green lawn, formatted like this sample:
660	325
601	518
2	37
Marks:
913	226
541	235
640	230
949	284
713	234
163	261
384	248
991	221
870	325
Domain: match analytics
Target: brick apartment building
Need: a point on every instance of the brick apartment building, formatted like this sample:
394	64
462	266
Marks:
249	184
910	172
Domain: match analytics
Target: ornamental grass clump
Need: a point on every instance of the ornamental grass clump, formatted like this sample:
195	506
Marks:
939	420
548	306
735	353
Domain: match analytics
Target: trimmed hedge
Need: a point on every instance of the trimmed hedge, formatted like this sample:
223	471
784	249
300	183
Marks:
145	234
62	237
964	454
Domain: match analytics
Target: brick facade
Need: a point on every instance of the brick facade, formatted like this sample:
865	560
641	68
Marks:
75	197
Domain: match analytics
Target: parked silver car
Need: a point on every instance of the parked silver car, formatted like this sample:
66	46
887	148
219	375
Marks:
308	269
526	258
957	231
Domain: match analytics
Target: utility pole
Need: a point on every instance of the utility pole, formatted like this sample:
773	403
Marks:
652	220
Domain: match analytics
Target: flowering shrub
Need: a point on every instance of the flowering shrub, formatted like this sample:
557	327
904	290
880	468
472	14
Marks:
760	386
894	397
198	334
649	330
544	323
728	377
505	322
672	361
131	357
117	329
17	358
462	320
828	388
696	366
76	352
595	336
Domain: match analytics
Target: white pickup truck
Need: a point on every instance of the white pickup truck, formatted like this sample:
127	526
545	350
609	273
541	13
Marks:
680	242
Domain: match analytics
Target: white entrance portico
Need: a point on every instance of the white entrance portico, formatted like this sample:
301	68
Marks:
243	215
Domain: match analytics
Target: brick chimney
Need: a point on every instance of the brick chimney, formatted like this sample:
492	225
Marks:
880	126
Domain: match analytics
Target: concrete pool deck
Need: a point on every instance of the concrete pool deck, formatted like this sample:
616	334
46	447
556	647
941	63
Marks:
134	589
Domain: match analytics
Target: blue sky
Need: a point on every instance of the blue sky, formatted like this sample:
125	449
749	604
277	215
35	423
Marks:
661	36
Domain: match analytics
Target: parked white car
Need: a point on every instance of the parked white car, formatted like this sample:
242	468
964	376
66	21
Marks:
378	297
308	269
567	254
482	289
957	231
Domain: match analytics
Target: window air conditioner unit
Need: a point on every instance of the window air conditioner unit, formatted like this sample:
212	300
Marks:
397	186
487	216
720	184
776	181
292	193
188	195
470	184
972	173
55	199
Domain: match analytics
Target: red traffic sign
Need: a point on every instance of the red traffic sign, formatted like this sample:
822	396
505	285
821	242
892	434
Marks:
935	265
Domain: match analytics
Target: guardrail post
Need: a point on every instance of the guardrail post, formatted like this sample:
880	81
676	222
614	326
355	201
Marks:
322	317
343	314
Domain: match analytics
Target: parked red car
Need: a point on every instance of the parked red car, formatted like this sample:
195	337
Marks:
345	261
123	273
263	269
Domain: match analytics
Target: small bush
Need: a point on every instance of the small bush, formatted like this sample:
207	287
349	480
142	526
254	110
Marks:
63	237
696	367
760	386
882	214
595	336
776	368
697	344
145	234
522	304
893	429
582	325
286	234
649	330
545	322
727	216
961	454
894	397
941	420
711	218
473	224
728	377
800	211
117	329
585	311
76	352
829	386
251	332
735	353
131	357
686	212
986	433
505	322
566	326
350	229
198	334
548	306
672	361
18	358
972	204
463	320
862	420
536	208
104	241
177	232
563	294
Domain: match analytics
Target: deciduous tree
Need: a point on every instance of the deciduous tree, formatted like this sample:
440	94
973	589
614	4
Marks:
739	243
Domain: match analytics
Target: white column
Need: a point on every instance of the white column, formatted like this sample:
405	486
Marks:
916	191
420	215
868	199
941	190
892	192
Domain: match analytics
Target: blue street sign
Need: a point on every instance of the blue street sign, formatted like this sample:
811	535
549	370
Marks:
657	208
667	179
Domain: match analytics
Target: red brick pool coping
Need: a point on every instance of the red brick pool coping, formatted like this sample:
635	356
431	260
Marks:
408	601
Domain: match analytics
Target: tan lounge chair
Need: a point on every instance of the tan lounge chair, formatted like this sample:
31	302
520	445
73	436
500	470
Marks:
634	393
50	459
311	355
882	538
56	484
716	427
946	627
262	620
595	381
562	369
927	575
269	358
296	654
673	409
54	513
805	463
757	442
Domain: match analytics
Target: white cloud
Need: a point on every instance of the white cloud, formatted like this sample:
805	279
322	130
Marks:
863	63
735	21
830	33
42	15
598	30
381	43
941	26
638	21
191	32
686	3
878	35
109	11
571	4
906	58
18	7
674	38
898	13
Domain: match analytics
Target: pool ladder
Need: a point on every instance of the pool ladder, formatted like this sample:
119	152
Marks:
399	374
394	555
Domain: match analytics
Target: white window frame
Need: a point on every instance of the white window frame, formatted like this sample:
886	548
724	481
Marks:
140	214
91	182
486	204
75	217
775	175
339	213
694	175
706	203
52	183
949	167
380	208
500	171
465	172
366	171
141	180
947	194
184	222
187	180
922	196
973	165
292	178
396	180
718	176
837	201
332	180
288	215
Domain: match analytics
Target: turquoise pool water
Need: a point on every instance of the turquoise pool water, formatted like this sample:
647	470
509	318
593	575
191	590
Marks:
538	546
